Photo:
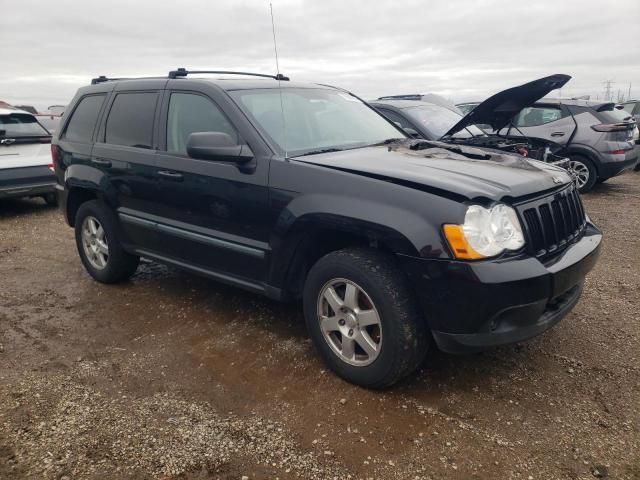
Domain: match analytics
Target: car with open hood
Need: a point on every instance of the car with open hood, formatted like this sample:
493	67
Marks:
598	139
25	157
433	118
304	192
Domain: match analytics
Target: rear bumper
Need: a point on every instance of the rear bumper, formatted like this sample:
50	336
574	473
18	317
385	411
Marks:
26	182
610	169
31	190
473	306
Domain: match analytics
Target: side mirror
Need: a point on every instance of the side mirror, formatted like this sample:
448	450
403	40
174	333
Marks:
411	132
217	146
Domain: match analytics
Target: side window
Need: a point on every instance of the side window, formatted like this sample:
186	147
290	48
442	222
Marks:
130	121
629	107
534	116
83	120
189	113
395	118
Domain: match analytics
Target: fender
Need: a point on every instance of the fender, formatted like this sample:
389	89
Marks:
308	216
91	178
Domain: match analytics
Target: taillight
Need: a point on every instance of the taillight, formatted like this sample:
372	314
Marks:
618	152
612	127
55	157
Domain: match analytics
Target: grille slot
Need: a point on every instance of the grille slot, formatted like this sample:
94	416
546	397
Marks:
552	222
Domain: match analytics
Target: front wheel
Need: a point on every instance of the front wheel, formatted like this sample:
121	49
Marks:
584	172
98	243
363	319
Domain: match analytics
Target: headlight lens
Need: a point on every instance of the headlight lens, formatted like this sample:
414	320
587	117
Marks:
485	232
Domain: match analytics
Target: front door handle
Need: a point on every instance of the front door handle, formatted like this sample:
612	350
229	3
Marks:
170	175
558	134
103	162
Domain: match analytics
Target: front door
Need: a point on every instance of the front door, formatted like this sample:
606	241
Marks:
214	213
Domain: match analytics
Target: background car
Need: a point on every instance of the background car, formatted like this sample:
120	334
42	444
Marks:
598	138
435	118
25	156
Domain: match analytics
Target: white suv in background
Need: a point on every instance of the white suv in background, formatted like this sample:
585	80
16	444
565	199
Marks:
25	157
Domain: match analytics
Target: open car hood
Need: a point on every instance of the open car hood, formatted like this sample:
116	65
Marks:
499	109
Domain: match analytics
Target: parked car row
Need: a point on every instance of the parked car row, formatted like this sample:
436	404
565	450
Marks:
304	191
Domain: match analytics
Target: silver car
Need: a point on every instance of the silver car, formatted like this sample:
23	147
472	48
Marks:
599	139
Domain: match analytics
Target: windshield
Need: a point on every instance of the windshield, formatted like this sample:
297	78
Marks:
17	125
315	120
438	120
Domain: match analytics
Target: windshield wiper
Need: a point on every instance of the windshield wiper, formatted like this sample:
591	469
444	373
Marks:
321	150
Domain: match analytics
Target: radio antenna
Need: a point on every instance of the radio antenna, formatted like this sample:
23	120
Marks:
279	77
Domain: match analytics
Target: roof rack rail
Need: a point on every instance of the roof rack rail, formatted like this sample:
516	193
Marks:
410	96
183	72
102	79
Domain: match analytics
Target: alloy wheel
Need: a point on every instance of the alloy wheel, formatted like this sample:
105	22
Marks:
349	322
94	243
580	172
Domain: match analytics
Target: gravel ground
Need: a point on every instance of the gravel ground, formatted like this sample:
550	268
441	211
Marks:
175	376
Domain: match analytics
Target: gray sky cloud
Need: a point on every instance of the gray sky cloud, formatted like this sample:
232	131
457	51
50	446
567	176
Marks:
464	50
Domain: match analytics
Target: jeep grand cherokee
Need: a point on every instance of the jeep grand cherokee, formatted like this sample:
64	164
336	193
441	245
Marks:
302	191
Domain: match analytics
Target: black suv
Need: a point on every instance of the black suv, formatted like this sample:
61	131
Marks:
300	191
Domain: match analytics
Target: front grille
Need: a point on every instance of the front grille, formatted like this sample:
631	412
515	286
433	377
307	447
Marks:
553	222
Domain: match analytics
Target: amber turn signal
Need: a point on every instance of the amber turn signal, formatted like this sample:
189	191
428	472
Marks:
458	243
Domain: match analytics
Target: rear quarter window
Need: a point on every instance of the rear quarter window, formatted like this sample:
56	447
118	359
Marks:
83	119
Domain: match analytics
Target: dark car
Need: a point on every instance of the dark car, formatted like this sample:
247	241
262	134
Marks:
302	191
432	118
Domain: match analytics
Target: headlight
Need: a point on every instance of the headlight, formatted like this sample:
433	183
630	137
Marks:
485	232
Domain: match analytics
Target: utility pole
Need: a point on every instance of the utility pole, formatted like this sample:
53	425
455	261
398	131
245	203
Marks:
607	89
629	96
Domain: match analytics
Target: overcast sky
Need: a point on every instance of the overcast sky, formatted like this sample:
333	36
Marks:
464	50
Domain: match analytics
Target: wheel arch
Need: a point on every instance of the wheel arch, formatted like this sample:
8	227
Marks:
315	235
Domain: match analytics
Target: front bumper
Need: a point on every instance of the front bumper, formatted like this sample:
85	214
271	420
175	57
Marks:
471	306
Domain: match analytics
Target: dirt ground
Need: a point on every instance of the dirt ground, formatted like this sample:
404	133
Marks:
174	376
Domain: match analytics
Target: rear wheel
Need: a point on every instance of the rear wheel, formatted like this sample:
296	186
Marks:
363	319
98	243
51	199
584	172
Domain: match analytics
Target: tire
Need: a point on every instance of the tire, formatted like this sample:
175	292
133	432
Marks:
583	166
51	199
401	337
114	266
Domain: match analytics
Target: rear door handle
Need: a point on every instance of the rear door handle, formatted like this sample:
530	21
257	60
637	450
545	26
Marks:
558	134
170	175
103	162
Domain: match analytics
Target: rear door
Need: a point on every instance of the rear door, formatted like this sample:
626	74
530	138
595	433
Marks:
215	214
548	121
125	152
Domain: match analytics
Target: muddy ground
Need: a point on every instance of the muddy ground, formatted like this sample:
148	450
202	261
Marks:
175	376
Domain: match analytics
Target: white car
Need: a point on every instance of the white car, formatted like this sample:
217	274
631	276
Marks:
25	157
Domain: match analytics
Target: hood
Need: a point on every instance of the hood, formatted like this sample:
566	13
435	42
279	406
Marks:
24	155
499	109
448	170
